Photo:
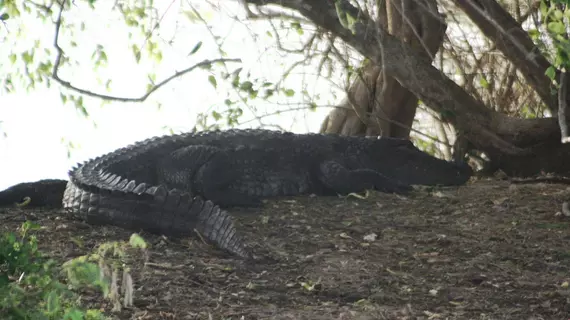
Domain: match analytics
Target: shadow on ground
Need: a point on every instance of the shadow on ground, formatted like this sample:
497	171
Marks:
488	250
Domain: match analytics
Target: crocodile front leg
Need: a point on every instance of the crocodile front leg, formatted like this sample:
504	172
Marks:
336	177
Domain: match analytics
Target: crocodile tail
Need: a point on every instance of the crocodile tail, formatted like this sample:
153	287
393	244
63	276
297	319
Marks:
155	209
41	193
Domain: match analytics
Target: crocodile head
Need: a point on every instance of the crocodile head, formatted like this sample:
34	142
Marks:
400	160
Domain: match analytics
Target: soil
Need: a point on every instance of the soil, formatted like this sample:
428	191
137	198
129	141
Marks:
487	250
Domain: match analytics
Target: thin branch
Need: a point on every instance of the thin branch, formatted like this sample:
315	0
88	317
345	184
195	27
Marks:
221	51
156	25
562	93
67	84
515	43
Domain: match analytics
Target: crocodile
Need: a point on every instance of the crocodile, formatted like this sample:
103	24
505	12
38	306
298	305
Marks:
175	184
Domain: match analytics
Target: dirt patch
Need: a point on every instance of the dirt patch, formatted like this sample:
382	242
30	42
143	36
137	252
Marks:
488	250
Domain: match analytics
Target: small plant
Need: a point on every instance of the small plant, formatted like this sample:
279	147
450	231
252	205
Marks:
29	287
111	258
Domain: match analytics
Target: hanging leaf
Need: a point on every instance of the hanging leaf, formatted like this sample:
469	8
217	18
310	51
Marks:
196	48
213	81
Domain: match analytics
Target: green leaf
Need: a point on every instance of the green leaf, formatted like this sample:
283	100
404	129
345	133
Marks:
350	20
297	26
213	81
4	16
217	116
140	12
30	226
136	241
136	52
207	66
550	72
246	85
191	16
289	92
27	57
543	9
483	82
253	94
45	68
196	48
534	33
131	22
75	314
52	303
158	56
79	105
556	27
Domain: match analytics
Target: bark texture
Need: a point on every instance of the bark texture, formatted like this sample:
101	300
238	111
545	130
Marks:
376	103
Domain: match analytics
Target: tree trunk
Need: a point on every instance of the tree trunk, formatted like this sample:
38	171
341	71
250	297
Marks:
377	104
517	146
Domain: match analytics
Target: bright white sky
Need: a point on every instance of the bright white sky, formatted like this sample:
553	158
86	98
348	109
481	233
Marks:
36	122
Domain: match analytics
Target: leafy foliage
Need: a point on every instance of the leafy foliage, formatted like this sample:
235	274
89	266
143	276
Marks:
555	15
29	288
37	61
29	285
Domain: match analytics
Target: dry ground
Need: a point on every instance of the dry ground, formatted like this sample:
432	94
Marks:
488	250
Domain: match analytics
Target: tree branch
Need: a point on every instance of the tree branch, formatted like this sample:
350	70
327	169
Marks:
509	37
60	57
412	70
562	92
